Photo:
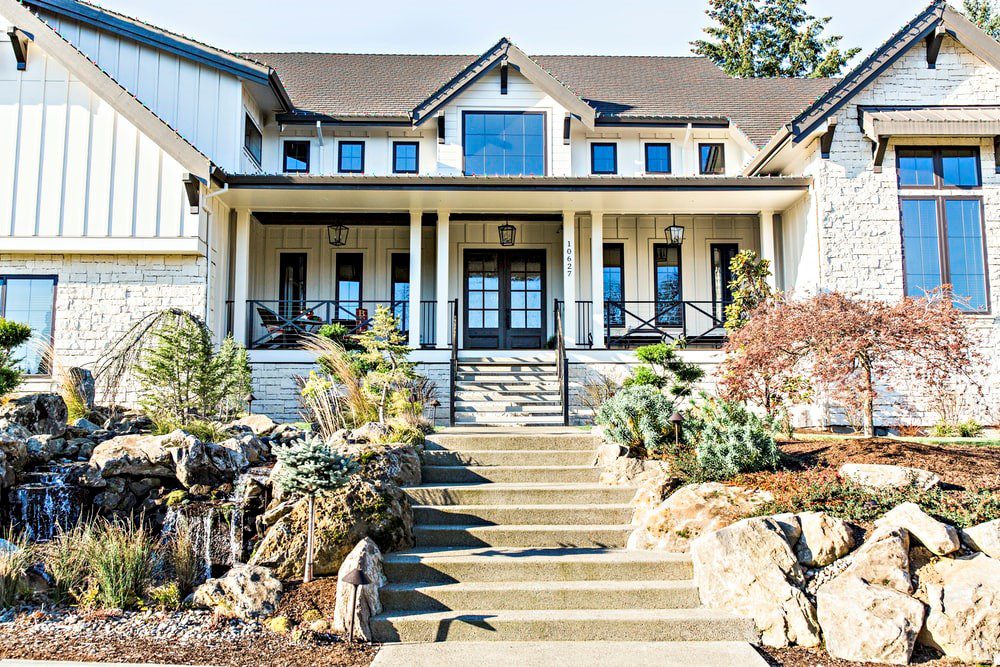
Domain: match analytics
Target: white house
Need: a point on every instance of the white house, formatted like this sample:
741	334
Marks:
547	212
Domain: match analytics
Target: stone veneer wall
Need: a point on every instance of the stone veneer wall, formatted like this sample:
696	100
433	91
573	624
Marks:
99	297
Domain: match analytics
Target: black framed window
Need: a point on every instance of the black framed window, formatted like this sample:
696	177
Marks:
712	159
614	283
351	157
658	159
347	290
296	157
667	279
31	300
723	255
253	140
405	157
501	143
943	245
604	158
292	283
945	167
399	288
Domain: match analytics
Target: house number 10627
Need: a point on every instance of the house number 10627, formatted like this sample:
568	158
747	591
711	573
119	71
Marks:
569	258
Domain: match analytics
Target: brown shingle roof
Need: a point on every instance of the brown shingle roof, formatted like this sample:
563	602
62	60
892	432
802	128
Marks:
347	84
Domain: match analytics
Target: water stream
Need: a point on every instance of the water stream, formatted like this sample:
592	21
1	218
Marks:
46	501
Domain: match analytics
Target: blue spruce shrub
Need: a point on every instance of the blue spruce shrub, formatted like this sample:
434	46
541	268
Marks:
638	417
730	439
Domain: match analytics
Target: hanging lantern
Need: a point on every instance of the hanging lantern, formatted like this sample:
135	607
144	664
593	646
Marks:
675	234
337	234
507	234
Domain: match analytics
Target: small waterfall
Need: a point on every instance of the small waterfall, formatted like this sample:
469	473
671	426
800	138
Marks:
46	501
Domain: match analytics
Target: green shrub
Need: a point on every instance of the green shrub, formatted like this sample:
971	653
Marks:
967	429
14	563
167	597
12	335
664	369
638	417
180	558
730	439
121	558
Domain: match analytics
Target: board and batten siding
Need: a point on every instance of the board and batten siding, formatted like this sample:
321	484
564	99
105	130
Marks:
72	166
203	104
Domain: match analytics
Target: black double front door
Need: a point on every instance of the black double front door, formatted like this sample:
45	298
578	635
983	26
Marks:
504	299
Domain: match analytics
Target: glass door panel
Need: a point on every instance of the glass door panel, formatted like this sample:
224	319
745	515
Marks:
722	276
667	274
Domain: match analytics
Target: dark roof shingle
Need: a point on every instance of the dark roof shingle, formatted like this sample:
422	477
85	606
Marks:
387	85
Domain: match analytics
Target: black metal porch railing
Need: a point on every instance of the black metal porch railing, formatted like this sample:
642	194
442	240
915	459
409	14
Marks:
629	324
282	325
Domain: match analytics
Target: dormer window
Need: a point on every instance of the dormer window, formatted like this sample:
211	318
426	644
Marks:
351	157
296	159
603	158
658	158
503	143
712	159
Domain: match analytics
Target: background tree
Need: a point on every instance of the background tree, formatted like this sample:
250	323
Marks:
985	14
12	336
770	38
310	468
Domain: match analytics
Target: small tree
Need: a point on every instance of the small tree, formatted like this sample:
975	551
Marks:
985	14
749	286
664	369
310	468
385	355
183	378
12	336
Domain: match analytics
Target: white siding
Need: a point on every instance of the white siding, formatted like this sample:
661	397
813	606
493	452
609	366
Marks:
202	103
71	166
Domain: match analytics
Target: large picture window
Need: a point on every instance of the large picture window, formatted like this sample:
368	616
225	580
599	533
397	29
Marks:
31	300
503	143
943	245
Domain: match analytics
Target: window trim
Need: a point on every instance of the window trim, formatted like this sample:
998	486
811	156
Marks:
512	112
248	121
722	150
284	156
944	259
936	155
4	277
594	145
416	166
670	156
340	157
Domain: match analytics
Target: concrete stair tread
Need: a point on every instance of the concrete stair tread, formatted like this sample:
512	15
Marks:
528	615
478	468
518	486
549	506
526	528
607	585
537	554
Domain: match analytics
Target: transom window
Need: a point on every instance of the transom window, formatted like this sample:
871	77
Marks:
950	167
30	300
499	143
405	157
296	158
657	158
603	158
712	158
351	157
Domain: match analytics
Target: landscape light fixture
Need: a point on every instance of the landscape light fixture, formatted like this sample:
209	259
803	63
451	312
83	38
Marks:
676	419
356	578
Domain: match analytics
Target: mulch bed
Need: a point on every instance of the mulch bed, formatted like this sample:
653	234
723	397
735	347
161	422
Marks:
817	657
298	598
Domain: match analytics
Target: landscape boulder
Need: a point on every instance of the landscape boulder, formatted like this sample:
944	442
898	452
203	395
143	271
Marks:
749	569
245	591
259	425
626	471
881	477
823	539
39	413
863	622
883	559
985	537
939	538
14	447
691	511
607	453
198	463
964	609
366	557
132	456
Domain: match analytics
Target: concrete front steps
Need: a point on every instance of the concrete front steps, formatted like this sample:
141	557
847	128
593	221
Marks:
511	392
516	541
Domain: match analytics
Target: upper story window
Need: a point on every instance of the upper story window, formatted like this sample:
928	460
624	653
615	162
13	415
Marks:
499	143
253	140
351	157
30	300
405	157
658	159
938	167
296	159
603	158
712	159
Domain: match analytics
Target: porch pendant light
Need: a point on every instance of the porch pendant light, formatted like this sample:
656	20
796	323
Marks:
507	234
337	235
675	234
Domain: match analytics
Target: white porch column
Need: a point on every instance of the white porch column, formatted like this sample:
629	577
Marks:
441	284
767	245
241	276
416	275
569	277
597	276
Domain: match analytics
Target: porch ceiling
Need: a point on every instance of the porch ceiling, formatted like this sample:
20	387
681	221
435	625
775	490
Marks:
525	195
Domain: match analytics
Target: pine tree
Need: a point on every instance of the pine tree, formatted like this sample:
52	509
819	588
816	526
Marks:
12	336
310	468
385	356
985	14
770	38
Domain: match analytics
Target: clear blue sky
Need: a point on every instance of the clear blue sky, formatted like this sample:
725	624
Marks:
640	27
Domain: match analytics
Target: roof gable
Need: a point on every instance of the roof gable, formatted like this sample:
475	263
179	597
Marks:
505	52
